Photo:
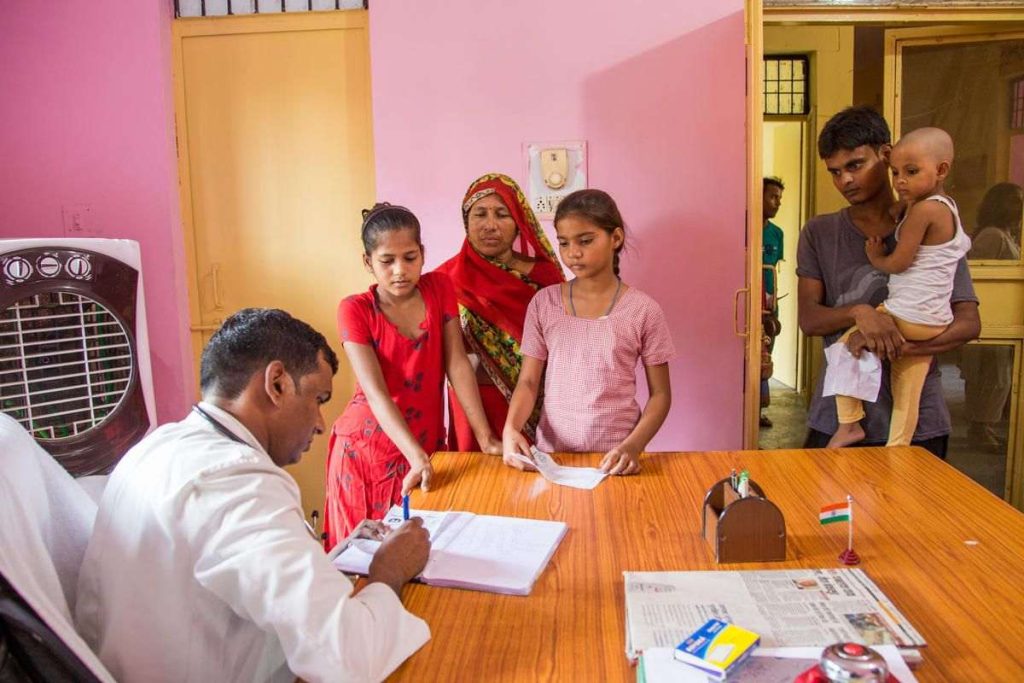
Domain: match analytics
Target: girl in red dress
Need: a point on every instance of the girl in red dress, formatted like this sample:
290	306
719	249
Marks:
401	337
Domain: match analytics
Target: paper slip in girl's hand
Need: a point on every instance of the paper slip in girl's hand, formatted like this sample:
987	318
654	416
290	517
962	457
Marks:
576	477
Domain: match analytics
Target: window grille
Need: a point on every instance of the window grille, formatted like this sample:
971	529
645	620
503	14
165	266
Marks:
220	8
786	79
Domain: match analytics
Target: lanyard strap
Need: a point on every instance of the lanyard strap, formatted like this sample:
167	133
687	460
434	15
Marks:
218	426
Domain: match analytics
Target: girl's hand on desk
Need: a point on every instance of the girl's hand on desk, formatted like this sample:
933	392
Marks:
420	473
491	445
620	460
514	442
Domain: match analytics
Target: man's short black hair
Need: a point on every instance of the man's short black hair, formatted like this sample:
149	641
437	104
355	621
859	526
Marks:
250	340
852	128
772	181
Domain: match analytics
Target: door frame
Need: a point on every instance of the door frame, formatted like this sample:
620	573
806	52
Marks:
755	144
892	14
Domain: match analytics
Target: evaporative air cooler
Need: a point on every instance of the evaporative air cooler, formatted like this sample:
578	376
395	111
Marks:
74	352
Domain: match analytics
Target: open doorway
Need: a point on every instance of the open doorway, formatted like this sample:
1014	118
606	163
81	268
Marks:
784	147
789	138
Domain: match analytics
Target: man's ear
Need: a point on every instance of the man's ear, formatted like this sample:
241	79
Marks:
277	382
885	151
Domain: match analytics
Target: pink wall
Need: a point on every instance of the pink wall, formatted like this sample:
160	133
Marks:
86	117
656	89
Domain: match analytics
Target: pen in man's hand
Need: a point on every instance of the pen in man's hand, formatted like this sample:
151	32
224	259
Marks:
405	508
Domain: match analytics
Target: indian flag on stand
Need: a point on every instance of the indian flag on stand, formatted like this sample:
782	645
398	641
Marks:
836	512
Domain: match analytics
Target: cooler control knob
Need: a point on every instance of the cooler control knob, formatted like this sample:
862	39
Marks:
79	267
17	269
48	265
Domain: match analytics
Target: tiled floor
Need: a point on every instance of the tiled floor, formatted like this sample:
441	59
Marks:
788	414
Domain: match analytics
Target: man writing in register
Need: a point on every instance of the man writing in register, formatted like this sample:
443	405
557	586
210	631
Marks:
838	287
201	568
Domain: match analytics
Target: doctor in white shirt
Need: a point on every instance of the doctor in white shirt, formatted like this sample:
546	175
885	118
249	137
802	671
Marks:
201	567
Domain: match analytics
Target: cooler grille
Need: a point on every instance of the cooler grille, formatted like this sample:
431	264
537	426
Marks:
65	364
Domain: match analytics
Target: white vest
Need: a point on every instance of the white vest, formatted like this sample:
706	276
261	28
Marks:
921	293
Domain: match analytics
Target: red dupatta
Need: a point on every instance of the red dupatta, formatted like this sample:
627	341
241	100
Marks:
486	288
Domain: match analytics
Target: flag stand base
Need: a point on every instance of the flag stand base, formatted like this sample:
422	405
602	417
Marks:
849	557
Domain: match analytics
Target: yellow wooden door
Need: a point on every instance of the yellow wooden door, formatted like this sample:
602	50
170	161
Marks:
969	80
275	148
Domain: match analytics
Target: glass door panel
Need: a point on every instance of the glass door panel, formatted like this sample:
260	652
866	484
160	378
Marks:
977	381
972	90
971	84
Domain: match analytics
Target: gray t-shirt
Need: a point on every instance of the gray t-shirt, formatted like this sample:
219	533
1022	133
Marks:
831	249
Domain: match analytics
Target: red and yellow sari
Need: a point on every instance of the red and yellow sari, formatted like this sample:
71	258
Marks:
492	302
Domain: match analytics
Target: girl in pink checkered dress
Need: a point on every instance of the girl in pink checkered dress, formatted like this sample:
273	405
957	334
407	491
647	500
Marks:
584	339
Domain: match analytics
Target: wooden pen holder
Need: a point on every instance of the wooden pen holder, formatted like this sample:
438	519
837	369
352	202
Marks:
749	529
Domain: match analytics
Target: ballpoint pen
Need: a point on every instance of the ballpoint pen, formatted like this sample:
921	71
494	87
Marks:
405	508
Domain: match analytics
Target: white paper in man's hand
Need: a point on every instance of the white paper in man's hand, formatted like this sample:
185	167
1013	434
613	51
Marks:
576	477
846	375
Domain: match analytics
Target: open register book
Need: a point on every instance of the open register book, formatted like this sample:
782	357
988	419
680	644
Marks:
476	552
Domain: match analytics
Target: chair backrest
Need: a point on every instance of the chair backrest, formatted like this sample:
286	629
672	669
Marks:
30	650
47	521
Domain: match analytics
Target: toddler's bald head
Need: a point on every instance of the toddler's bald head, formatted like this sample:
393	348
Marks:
934	143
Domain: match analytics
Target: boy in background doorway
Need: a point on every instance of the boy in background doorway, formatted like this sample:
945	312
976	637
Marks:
838	287
771	254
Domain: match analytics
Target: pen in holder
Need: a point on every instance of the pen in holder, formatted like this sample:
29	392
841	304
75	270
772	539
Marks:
743	529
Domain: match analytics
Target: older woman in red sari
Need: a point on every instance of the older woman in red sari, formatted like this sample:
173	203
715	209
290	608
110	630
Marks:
504	261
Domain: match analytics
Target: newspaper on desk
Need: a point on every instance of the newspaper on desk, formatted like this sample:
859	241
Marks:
787	608
576	477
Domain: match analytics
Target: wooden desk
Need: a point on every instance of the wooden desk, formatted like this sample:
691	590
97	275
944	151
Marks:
913	515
